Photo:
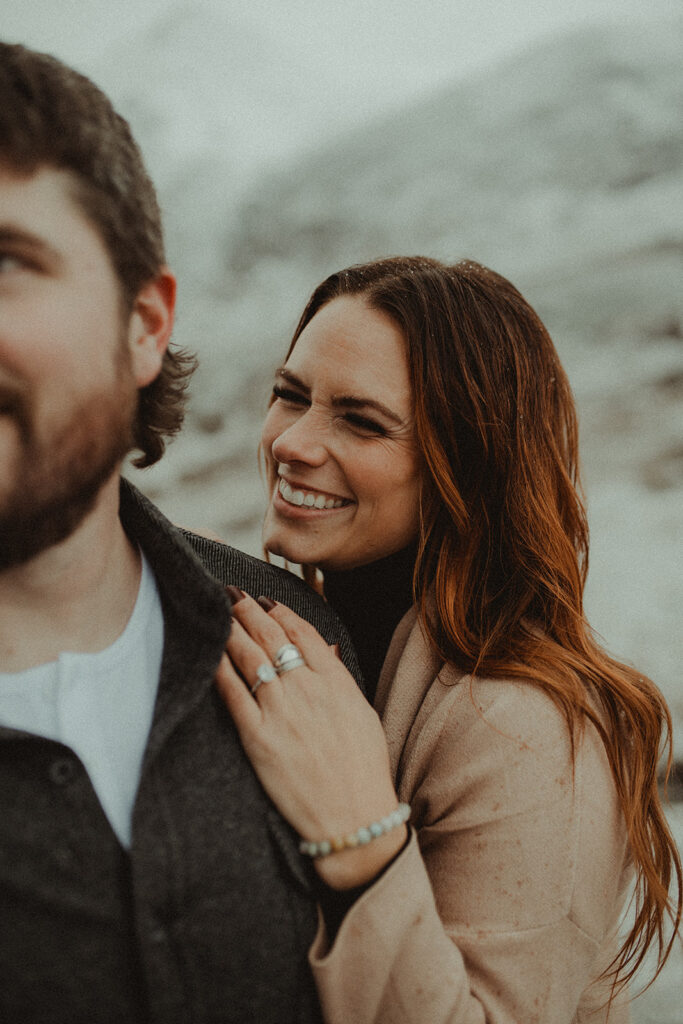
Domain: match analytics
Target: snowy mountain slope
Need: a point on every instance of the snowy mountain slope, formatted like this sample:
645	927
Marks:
581	124
198	84
213	101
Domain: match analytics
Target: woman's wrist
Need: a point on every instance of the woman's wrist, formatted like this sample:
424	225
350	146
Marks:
361	837
353	859
362	865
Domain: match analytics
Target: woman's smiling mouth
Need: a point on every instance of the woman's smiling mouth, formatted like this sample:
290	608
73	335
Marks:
308	499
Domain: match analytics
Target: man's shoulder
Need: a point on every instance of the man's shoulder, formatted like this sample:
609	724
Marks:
167	544
258	578
185	562
229	565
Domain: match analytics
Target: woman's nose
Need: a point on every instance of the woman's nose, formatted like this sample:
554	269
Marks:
301	441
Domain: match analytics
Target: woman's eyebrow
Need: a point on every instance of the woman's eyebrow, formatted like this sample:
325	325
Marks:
291	378
342	401
351	402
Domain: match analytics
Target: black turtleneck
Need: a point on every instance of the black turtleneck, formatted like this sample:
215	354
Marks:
371	600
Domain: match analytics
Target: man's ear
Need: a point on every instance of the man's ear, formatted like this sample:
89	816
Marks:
150	326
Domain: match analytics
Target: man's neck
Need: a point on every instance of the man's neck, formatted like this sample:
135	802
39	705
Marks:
75	596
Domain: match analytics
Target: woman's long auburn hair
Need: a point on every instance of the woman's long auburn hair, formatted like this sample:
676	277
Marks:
503	544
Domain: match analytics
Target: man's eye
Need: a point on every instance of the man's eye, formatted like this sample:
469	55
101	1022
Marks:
287	395
10	262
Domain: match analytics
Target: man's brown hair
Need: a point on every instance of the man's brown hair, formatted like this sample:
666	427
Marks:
50	115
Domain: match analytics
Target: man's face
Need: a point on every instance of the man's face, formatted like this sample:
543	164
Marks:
67	391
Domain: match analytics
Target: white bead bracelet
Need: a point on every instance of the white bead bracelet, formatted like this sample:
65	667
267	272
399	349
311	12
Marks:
359	838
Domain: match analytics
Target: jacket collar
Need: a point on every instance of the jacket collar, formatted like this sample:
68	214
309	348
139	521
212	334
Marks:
410	669
196	626
196	613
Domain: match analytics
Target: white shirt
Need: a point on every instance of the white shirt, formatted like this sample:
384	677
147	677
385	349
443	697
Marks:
100	705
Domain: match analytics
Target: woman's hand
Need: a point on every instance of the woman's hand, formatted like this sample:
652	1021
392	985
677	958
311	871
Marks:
314	741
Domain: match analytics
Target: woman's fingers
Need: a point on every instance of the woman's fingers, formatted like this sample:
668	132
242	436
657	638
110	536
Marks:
263	643
244	710
303	635
251	661
272	630
266	632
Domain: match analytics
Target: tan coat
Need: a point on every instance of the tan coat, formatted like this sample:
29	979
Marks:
503	907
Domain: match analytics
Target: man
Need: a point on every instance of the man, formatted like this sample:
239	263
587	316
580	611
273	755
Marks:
144	875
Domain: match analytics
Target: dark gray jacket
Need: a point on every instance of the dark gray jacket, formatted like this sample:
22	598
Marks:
209	917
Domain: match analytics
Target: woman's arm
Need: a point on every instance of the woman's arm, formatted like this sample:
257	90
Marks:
503	907
498	907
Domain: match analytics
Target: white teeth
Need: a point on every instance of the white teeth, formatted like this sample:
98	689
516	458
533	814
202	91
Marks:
300	498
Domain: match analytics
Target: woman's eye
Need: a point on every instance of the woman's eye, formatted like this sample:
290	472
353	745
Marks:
287	395
365	424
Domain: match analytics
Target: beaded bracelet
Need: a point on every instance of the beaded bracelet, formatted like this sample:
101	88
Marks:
359	838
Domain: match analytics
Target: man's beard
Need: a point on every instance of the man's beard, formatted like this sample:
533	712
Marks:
58	479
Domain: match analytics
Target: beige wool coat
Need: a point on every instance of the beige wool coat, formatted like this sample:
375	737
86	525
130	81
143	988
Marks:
504	905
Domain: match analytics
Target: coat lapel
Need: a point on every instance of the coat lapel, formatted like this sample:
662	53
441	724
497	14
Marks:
408	672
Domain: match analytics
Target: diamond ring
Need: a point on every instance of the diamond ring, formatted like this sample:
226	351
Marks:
264	674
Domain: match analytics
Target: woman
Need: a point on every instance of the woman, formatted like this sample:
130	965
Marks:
421	451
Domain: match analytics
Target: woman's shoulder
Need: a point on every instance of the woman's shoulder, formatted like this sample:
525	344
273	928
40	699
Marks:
447	696
520	707
491	727
518	710
469	729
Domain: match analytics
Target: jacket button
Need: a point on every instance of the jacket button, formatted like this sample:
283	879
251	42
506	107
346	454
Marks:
62	771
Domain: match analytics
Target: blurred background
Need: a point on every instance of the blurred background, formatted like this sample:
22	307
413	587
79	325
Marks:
543	139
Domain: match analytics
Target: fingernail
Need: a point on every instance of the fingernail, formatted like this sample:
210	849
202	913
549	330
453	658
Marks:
266	603
335	648
235	594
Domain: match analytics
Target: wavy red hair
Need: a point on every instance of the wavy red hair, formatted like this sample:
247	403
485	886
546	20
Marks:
503	545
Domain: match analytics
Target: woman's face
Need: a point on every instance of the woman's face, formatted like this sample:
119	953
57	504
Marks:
339	442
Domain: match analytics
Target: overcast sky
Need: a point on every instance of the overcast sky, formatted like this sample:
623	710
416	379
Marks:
386	49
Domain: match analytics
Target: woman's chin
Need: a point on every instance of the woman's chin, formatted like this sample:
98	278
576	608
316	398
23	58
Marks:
285	540
292	553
